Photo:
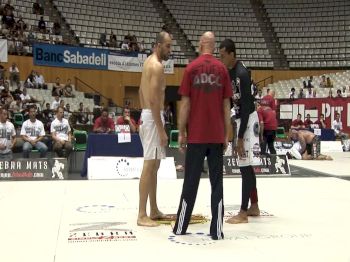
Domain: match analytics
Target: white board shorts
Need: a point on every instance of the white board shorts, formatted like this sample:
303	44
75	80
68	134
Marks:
250	141
149	136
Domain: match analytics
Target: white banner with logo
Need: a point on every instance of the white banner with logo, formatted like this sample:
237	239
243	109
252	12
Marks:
134	63
3	50
126	168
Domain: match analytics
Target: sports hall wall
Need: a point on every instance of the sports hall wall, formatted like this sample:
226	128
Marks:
112	84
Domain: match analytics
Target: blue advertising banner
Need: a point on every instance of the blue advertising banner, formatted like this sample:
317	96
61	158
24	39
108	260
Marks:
69	56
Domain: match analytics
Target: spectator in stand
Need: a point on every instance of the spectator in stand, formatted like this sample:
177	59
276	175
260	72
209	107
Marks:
314	93
323	82
61	134
82	115
37	9
20	41
297	123
8	20
329	83
56	29
337	126
7	136
308	121
57	88
301	93
39	81
16	106
309	93
68	89
29	83
125	44
67	111
304	85
14	75
104	124
320	123
339	94
27	99
33	133
103	39
142	46
2	84
21	25
9	7
56	103
31	38
47	116
5	96
126	119
330	93
2	72
292	94
42	25
112	40
344	93
309	82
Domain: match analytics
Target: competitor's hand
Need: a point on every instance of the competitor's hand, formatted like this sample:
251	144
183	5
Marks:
182	140
226	142
163	139
240	148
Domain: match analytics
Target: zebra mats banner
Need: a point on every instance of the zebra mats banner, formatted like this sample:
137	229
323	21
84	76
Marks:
34	169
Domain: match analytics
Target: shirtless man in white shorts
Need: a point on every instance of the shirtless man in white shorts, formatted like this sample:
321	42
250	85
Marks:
152	132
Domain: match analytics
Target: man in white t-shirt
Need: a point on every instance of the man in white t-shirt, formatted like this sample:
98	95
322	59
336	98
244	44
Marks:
56	103
337	126
61	134
7	136
33	133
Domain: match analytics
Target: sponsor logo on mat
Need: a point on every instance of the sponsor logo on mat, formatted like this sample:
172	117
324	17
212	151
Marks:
95	209
192	239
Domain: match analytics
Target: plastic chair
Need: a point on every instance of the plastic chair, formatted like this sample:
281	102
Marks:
173	139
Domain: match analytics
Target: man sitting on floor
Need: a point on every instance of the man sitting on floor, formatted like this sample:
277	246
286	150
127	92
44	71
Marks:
307	146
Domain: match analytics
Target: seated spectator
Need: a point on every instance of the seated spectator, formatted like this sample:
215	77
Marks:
82	115
68	89
323	82
29	83
292	94
125	45
112	40
7	136
344	93
57	89
27	99
5	95
42	25
56	29
37	9
314	93
301	93
339	94
337	126
33	133
309	82
309	93
330	93
2	72
126	119
329	83
39	81
104	124
20	41
8	20
9	7
320	123
31	38
21	25
142	46
297	123
14	75
61	134
103	39
47	116
308	121
67	112
16	106
56	103
304	85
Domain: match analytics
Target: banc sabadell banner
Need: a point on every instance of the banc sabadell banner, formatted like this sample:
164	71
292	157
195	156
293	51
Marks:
91	58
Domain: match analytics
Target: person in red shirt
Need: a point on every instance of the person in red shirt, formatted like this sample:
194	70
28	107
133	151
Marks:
269	100
308	121
104	124
205	111
320	122
297	123
268	127
125	119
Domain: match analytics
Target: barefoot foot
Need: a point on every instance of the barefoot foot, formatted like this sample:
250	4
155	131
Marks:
145	221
